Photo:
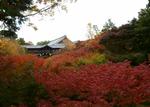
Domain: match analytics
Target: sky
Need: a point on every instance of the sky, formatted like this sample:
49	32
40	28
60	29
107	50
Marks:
74	22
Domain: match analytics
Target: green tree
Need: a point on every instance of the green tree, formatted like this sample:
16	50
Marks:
108	26
21	41
142	30
43	42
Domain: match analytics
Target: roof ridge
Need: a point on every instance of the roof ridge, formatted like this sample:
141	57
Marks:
59	38
56	40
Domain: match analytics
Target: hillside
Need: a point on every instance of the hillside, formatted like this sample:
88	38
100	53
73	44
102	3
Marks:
85	76
112	69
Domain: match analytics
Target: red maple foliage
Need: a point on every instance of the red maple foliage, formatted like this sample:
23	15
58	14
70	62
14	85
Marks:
11	65
17	84
57	62
107	85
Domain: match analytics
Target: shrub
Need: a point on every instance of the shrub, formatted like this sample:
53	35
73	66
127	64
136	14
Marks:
87	54
98	58
57	62
93	58
17	83
107	85
10	47
135	59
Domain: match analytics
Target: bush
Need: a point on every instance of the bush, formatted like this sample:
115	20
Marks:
10	47
17	83
89	53
58	62
98	59
135	59
108	85
93	58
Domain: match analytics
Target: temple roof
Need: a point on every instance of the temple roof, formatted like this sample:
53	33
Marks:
33	46
57	43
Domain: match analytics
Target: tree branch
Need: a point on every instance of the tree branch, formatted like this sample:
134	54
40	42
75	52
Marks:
42	10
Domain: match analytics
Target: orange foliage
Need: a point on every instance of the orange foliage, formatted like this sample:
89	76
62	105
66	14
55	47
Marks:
10	47
18	65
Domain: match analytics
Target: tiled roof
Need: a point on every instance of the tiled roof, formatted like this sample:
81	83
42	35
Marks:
33	46
53	44
56	41
58	46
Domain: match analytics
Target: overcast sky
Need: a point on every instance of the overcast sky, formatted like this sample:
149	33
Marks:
74	22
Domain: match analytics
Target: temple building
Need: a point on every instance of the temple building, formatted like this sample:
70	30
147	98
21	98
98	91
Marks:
51	48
